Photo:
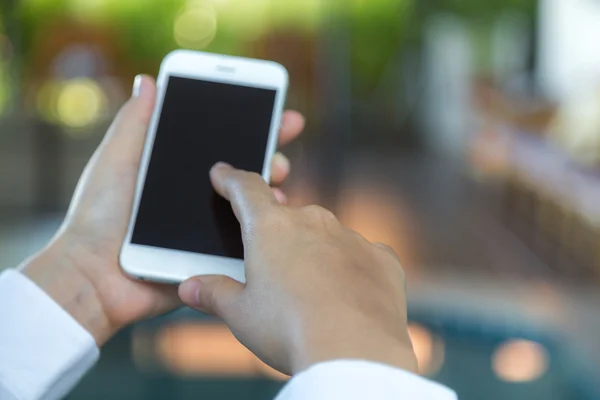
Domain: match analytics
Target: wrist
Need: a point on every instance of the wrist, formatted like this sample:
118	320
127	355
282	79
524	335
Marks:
401	357
354	343
55	271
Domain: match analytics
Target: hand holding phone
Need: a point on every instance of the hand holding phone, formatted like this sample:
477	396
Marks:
210	108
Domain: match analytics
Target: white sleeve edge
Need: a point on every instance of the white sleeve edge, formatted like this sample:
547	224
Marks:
44	351
358	379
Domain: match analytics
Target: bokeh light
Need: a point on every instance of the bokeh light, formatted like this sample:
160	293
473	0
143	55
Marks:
87	9
193	349
429	349
196	26
80	103
75	104
519	361
248	19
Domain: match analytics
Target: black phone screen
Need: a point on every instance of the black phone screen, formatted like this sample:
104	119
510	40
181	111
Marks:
201	123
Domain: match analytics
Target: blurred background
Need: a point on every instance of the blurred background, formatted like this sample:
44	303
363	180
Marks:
466	134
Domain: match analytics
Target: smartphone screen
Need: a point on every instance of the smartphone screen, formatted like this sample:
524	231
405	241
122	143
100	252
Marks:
201	123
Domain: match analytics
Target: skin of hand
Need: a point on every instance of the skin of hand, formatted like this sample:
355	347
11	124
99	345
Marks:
80	268
316	291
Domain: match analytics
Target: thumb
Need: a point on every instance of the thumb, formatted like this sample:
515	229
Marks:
118	158
214	295
127	135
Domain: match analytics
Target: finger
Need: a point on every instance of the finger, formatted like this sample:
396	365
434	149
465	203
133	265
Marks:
127	135
280	169
387	249
213	295
165	298
292	125
248	193
280	196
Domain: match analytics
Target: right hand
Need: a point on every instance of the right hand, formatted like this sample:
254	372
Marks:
316	291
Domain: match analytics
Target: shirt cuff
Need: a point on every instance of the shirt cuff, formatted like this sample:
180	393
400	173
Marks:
44	352
362	380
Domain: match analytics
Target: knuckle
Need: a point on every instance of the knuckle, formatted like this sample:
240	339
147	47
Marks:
358	236
391	255
385	249
319	214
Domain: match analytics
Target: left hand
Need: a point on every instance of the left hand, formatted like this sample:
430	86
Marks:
80	268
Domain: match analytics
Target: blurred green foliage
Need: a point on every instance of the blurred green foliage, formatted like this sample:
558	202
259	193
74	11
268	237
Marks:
144	27
4	79
378	29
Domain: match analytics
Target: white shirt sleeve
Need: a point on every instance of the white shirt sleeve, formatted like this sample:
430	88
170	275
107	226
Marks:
44	352
359	380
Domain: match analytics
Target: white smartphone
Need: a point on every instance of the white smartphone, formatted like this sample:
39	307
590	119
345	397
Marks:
209	108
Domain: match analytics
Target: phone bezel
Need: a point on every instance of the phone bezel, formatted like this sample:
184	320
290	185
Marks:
173	266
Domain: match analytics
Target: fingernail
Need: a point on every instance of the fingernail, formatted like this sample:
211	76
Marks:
222	165
137	85
189	292
282	162
281	197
